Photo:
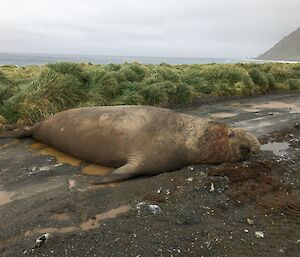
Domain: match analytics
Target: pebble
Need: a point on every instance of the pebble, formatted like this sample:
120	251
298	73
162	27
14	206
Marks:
259	234
250	221
212	187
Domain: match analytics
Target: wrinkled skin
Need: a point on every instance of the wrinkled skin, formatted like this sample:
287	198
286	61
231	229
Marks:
140	140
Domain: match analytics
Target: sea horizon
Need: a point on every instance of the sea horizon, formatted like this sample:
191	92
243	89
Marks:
23	59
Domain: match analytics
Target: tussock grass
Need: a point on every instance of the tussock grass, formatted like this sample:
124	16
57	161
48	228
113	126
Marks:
32	93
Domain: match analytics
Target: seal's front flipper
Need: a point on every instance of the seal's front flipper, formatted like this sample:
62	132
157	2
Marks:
127	171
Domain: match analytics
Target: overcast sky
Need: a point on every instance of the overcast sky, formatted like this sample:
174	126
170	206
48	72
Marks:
168	28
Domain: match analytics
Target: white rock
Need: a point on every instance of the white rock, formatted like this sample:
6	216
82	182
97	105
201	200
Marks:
250	221
212	187
155	209
259	234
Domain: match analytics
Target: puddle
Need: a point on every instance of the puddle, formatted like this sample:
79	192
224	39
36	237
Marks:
278	148
251	109
96	187
59	156
60	217
51	230
95	221
279	105
85	226
223	115
6	197
96	170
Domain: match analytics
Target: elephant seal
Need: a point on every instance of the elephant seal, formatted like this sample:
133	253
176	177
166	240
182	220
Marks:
140	140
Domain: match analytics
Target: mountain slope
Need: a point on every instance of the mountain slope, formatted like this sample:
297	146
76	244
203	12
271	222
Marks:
287	49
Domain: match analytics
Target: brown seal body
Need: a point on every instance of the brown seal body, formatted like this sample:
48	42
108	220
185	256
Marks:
140	140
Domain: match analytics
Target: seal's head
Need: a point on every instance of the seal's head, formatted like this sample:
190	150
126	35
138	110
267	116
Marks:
225	144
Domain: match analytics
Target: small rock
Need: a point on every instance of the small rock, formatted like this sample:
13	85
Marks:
250	221
191	168
212	187
45	168
41	239
140	205
154	209
259	234
190	179
159	190
58	164
246	231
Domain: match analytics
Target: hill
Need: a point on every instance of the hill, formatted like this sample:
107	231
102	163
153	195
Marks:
287	49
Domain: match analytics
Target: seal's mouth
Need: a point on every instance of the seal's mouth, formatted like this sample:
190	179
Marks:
245	150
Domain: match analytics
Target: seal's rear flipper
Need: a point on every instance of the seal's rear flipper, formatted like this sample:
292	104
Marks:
123	173
20	132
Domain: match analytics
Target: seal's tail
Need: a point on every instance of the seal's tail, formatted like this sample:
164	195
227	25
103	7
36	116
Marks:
24	131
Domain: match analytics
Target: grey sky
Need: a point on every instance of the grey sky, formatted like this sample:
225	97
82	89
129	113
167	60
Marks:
179	28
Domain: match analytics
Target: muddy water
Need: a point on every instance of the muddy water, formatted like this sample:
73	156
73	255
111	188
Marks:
278	148
95	221
6	197
278	105
51	230
96	170
59	156
85	226
223	115
92	169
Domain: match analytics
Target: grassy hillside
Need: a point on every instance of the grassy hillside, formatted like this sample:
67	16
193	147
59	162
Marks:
287	49
31	93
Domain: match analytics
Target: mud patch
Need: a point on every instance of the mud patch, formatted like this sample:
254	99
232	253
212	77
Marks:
6	197
278	148
257	182
223	115
247	181
90	224
279	105
95	221
280	202
60	217
51	230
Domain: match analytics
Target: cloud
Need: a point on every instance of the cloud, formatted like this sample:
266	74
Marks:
194	28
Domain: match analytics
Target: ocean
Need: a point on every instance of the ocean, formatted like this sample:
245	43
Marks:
31	59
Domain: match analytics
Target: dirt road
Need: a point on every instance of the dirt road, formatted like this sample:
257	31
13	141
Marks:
241	209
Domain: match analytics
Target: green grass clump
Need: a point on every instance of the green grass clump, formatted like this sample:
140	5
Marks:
68	68
46	95
31	93
259	79
294	84
155	94
103	87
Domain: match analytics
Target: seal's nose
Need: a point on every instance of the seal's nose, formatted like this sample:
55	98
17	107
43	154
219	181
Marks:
254	144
